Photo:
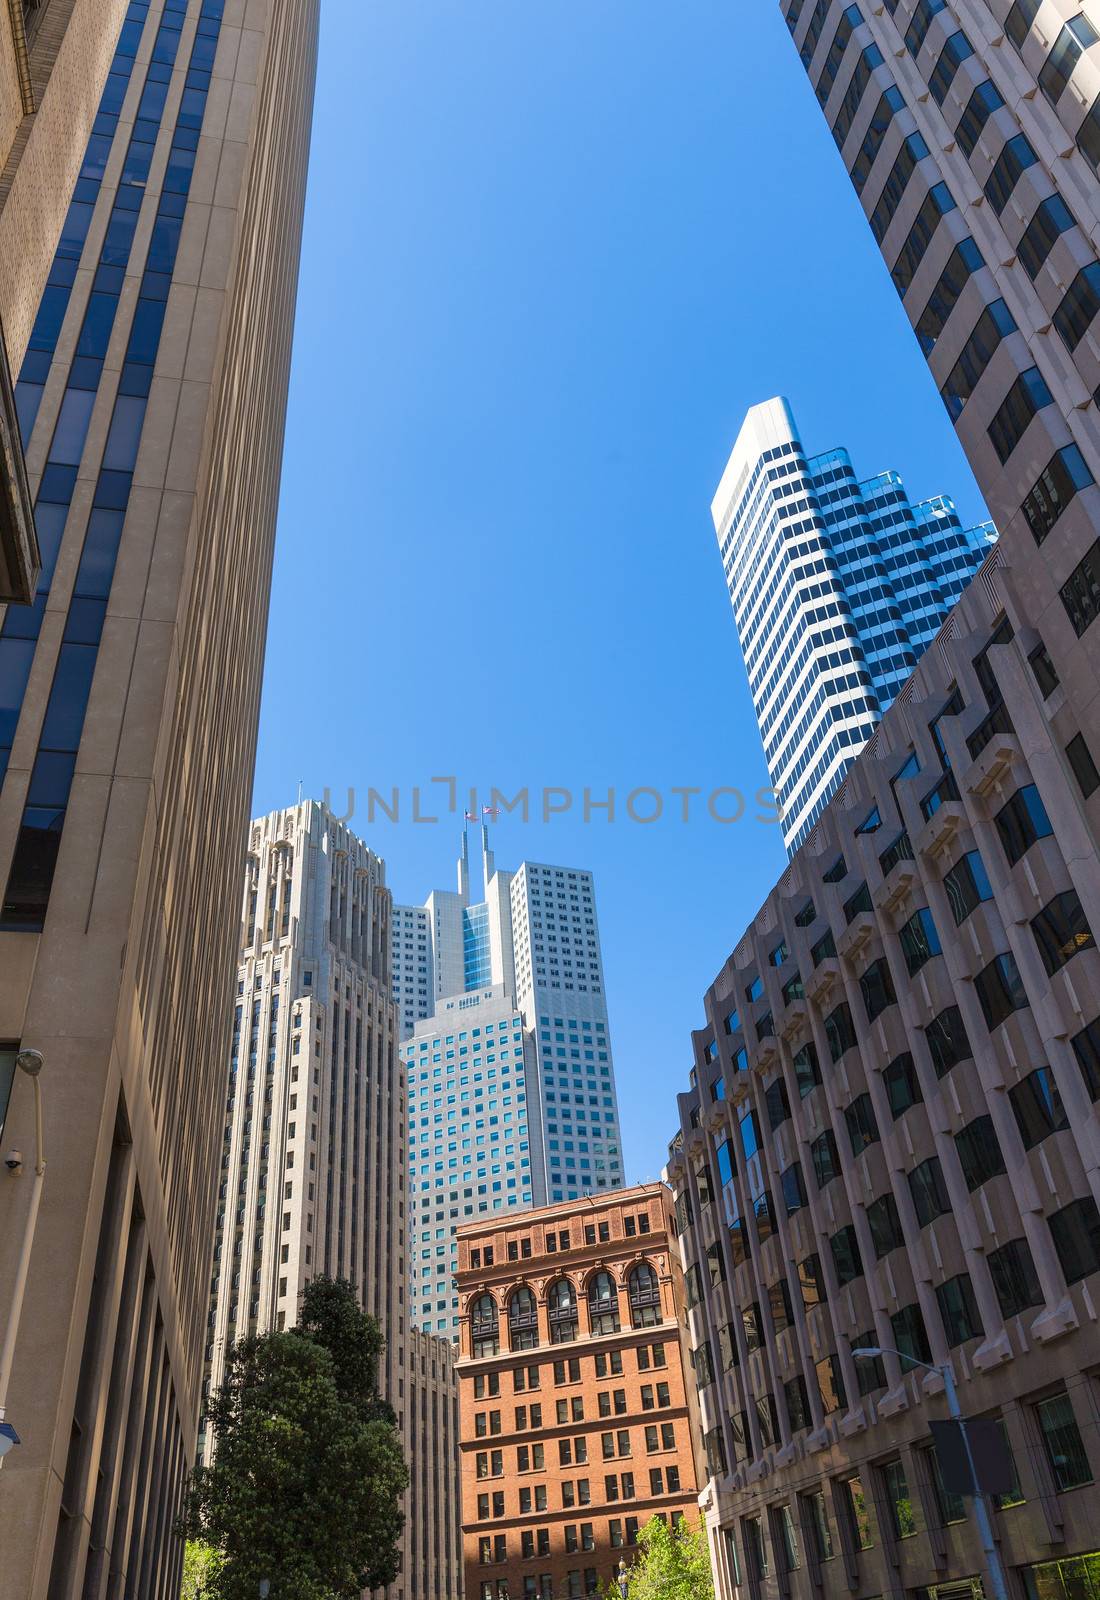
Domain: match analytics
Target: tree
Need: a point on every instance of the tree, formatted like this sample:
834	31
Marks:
199	1562
674	1564
307	1477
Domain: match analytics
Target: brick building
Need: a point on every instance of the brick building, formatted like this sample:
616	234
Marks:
575	1413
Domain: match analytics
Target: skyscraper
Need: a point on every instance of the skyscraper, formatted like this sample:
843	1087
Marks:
152	401
971	132
313	1155
53	61
837	586
511	1084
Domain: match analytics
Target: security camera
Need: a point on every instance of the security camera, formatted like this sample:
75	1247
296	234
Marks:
14	1160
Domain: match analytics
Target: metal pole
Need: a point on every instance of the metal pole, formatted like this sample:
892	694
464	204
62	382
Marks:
15	1311
997	1576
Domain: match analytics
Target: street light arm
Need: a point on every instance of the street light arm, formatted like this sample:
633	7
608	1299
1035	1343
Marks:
873	1351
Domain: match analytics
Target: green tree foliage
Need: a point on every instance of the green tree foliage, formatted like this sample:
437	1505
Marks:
308	1473
199	1562
672	1564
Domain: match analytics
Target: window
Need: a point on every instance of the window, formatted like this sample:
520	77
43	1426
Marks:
1086	1047
826	1160
993	325
830	1383
1056	71
1080	593
862	1127
919	940
898	1499
725	1162
797	1401
859	1513
793	1187
807	1073
777	1104
1064	474
929	1192
755	1547
885	1225
753	1326
1015	1280
979	108
716	1453
1000	990
824	949
562	1304
779	1305
1028	395
870	1373
716	1266
877	989
644	1293
846	1258
523	1320
812	1282
1015	157
1052	217
1078	306
1065	1450
901	1084
484	1337
1083	766
963	261
858	904
979	1152
910	1337
818	1520
937	203
959	1310
917	31
947	1042
1061	931
750	1134
967	885
1046	675
840	1030
951	1506
955	51
1076	1234
1037	1107
603	1304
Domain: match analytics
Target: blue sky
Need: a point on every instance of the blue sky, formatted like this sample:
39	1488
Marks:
554	249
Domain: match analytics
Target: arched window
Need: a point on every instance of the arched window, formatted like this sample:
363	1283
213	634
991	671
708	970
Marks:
603	1304
645	1297
562	1302
523	1320
484	1340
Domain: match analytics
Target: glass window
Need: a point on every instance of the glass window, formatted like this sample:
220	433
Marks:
885	1225
910	1337
959	1310
777	1103
926	1185
826	1159
1015	157
1086	1047
1065	1450
794	1189
1076	1234
806	1070
840	1030
1083	766
1000	990
979	1152
1061	931
846	1258
860	1120
877	989
967	885
1037	1107
919	940
980	107
899	1500
1064	474
901	1084
1027	395
1014	1278
859	1510
947	1041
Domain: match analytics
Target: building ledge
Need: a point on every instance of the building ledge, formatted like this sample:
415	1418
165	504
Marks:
820	983
894	888
856	936
993	764
938	833
19	558
993	1353
892	1404
855	1422
1053	1324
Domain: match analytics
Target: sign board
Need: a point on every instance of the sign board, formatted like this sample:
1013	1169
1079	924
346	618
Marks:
993	1462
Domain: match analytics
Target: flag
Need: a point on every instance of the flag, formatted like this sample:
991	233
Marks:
489	811
471	816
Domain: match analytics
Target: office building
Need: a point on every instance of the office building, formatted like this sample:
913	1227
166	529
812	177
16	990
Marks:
313	1155
576	1416
891	1142
837	586
151	397
54	58
511	1082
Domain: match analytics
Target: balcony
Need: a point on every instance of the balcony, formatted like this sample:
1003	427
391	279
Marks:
19	559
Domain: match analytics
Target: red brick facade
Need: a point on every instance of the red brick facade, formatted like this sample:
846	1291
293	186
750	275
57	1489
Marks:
575	1426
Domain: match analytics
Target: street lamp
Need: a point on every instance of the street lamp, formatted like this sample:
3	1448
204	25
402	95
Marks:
624	1581
981	1509
30	1062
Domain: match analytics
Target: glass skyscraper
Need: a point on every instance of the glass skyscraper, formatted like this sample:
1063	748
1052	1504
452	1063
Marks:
511	1085
838	584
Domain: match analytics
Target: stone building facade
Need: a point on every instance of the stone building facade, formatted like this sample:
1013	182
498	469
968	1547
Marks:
575	1408
891	1140
151	398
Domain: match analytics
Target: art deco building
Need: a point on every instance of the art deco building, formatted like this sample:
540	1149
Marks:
575	1412
837	585
891	1140
152	400
511	1081
313	1154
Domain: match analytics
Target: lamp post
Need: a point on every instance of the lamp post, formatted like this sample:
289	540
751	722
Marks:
30	1062
997	1577
624	1581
